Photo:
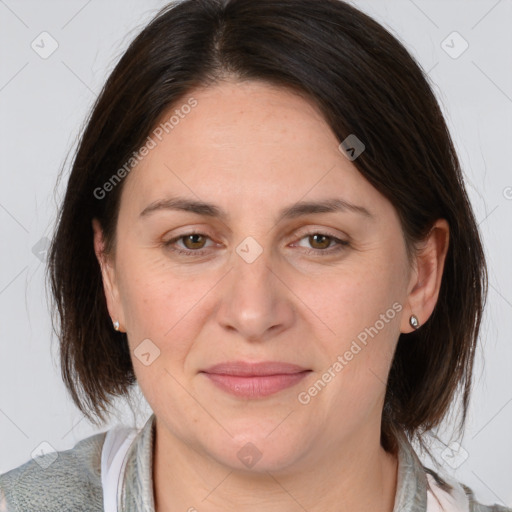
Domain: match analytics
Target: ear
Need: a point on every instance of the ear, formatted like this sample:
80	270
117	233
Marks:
108	274
425	281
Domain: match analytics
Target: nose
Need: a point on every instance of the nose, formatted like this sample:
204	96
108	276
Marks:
255	301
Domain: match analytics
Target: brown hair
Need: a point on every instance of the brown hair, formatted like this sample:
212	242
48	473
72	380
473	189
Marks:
365	83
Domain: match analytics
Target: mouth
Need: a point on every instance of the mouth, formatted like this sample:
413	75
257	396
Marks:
255	380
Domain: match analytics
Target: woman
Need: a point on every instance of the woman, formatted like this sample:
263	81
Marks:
266	229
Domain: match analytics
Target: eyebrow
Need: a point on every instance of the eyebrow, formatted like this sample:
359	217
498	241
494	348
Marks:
296	210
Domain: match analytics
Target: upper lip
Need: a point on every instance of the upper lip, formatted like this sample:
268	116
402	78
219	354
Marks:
246	369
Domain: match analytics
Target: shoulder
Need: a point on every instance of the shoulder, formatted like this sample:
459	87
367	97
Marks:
447	494
65	480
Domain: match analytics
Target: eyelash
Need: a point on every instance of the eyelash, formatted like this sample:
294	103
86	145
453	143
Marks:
341	244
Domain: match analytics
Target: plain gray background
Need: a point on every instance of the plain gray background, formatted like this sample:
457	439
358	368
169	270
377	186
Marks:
43	104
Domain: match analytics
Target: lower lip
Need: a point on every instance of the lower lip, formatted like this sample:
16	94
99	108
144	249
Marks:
255	386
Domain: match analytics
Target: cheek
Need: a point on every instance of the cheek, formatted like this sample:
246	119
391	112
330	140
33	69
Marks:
152	301
346	302
165	303
152	293
359	323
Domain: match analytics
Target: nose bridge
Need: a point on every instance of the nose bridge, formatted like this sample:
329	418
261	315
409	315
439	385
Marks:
253	302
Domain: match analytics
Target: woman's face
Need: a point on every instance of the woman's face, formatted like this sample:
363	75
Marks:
326	291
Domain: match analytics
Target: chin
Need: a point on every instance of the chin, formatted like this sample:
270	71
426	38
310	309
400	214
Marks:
259	449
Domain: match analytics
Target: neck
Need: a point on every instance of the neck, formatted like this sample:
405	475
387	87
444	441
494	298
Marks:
357	475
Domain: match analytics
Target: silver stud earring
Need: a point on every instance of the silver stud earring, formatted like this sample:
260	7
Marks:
413	320
116	325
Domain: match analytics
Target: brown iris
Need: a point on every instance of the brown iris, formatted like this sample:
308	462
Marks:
322	237
193	240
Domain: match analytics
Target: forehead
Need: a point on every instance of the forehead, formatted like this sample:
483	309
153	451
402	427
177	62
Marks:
250	140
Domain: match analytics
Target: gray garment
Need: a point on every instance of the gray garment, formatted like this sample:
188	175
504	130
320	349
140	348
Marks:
73	481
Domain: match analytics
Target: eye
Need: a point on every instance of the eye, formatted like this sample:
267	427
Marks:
322	243
194	243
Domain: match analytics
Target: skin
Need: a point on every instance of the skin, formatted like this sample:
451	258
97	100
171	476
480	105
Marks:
253	149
